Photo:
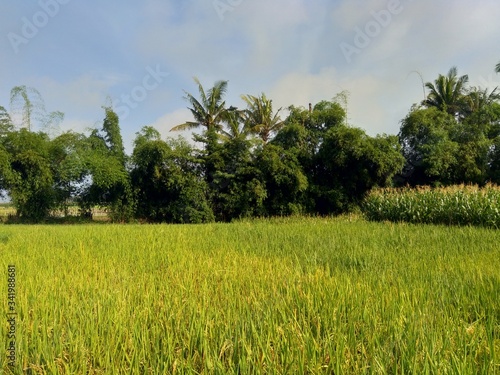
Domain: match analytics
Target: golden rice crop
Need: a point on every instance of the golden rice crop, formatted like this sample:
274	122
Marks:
294	296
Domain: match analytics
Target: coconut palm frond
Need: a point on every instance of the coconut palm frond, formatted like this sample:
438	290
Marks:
185	126
447	92
260	116
208	110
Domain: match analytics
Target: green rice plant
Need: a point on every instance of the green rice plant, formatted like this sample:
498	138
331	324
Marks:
457	205
285	296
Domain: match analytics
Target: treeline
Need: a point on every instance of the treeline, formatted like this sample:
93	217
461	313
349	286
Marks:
252	161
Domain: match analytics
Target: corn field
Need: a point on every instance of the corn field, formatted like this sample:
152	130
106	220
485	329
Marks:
457	205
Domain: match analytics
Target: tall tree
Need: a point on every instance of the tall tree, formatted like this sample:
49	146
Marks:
5	122
349	164
68	155
112	135
27	174
497	68
428	147
28	104
283	178
108	181
209	111
447	93
261	118
235	126
236	189
166	179
25	101
478	99
315	122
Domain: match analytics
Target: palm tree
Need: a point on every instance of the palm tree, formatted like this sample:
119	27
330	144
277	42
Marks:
260	117
447	92
236	127
208	112
497	68
478	98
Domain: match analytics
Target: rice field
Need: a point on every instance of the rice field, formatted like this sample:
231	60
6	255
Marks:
282	296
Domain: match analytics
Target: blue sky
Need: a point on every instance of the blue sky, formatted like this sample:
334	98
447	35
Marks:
144	54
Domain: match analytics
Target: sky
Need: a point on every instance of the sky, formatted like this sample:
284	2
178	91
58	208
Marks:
141	56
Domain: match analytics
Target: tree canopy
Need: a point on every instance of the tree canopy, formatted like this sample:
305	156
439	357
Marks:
253	161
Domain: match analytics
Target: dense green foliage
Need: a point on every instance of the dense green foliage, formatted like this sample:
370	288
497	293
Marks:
28	176
107	170
252	162
293	296
42	174
452	138
166	180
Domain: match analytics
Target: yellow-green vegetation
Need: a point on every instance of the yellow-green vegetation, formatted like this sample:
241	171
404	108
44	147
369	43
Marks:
455	205
6	210
70	215
290	296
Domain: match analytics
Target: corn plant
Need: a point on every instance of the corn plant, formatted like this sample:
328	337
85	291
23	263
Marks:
457	205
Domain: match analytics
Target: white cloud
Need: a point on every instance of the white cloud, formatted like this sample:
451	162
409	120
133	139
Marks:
300	89
83	93
288	49
367	100
165	123
77	125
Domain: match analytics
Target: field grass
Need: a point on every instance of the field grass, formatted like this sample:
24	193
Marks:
290	296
